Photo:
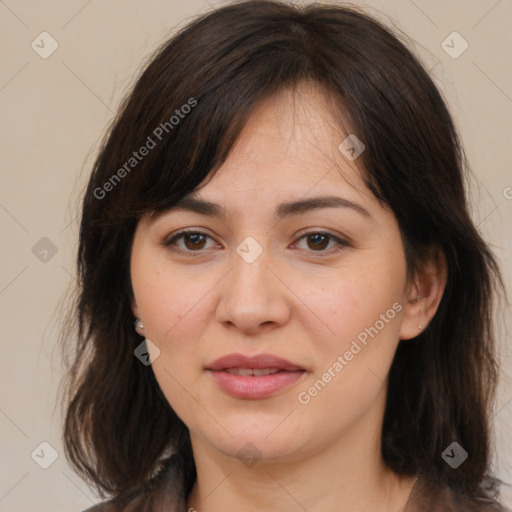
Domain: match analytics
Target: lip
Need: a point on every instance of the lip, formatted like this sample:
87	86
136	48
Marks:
254	387
259	361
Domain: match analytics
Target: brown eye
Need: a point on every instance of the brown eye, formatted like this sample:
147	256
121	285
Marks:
193	241
196	241
318	242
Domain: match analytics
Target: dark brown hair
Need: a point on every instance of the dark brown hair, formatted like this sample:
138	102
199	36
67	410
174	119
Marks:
118	425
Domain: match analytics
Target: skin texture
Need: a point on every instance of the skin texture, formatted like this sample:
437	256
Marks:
290	302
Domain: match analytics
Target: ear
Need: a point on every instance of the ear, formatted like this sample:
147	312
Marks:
424	293
139	326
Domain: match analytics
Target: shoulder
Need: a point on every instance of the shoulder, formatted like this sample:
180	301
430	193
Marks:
119	505
430	498
478	505
463	503
101	507
165	491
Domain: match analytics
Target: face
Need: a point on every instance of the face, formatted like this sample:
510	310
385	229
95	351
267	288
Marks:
322	286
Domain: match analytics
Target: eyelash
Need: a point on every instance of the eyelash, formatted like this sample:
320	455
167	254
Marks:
321	254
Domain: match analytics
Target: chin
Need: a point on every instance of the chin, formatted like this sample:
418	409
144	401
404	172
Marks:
270	440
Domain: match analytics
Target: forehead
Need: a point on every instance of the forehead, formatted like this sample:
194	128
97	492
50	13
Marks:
290	146
286	161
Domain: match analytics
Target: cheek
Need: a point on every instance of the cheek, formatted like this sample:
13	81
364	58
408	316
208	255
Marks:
168	299
353	362
170	305
352	301
360	310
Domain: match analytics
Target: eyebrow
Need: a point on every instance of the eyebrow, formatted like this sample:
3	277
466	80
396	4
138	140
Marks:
287	209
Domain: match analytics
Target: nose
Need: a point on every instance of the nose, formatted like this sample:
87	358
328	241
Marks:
253	296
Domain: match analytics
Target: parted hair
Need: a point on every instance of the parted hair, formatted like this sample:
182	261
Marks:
118	427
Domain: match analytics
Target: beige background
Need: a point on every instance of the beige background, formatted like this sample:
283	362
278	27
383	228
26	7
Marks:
54	112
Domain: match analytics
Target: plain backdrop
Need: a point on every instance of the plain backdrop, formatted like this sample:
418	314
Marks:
56	107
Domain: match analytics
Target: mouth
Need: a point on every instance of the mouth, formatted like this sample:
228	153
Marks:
254	377
266	362
252	372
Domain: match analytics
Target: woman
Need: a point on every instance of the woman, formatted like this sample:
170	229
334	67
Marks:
284	303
